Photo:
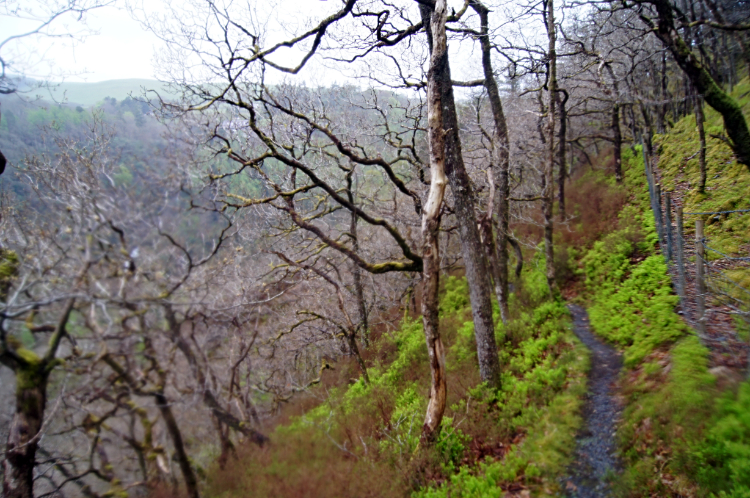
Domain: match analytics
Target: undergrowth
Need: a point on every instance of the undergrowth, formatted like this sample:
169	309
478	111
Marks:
726	189
363	440
681	433
675	438
718	456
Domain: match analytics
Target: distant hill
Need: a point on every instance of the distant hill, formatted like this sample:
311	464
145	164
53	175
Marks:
87	94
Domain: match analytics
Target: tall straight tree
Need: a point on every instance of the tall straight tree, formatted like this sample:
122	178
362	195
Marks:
549	187
475	262
500	157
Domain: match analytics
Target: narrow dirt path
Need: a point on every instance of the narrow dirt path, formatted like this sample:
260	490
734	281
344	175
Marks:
595	458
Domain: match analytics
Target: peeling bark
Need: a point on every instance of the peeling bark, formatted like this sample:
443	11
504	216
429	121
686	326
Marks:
548	200
431	225
475	262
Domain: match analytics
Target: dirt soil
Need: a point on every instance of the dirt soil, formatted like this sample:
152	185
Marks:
596	450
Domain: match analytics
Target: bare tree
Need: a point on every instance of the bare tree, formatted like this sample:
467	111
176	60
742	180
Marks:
77	266
431	221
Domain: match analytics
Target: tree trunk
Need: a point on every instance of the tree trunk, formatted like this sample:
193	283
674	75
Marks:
562	138
165	409
661	108
519	258
616	131
357	271
431	224
23	436
472	250
222	415
500	166
700	120
633	127
32	373
550	167
191	481
617	141
647	130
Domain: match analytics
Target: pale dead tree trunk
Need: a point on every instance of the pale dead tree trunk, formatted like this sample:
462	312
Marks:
431	224
500	165
550	167
699	121
478	273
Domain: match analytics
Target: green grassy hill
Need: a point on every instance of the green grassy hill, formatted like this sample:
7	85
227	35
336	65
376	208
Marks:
87	94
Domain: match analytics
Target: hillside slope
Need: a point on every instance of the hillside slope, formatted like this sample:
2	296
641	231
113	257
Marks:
684	429
88	94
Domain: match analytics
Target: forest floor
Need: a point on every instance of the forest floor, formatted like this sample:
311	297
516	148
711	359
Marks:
595	455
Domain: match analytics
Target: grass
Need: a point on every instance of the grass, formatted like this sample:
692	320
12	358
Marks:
681	434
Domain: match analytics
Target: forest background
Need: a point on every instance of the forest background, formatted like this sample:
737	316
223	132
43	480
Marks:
238	281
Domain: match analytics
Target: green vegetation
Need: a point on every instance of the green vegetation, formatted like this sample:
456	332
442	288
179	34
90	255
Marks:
522	435
726	185
682	434
676	439
633	304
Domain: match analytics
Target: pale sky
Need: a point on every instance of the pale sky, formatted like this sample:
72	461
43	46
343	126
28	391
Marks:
119	47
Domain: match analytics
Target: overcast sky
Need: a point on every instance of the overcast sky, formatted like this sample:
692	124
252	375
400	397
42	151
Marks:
119	47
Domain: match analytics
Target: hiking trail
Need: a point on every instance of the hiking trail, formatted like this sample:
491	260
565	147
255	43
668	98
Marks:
595	457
